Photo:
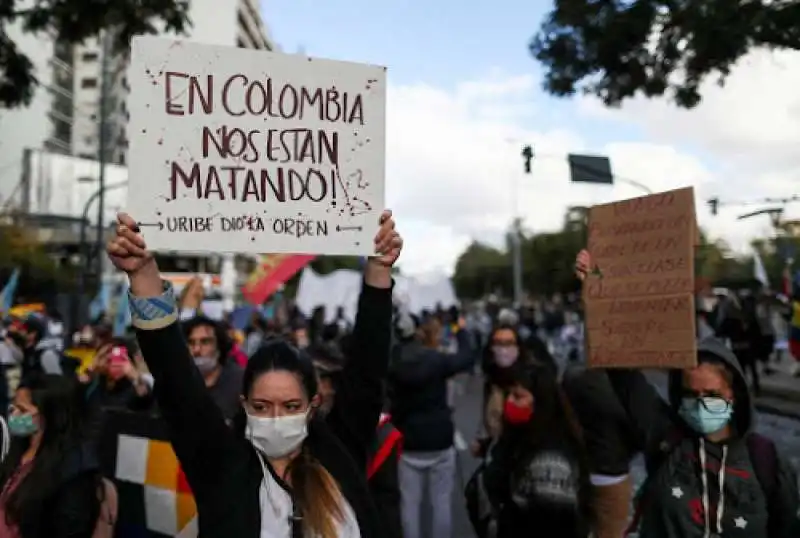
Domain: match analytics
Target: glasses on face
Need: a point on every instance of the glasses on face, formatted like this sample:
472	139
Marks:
716	405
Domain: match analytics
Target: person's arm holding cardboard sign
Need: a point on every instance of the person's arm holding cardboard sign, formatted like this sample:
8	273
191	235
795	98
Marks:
649	414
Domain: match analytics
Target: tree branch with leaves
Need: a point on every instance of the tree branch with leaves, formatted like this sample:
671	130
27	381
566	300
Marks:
619	49
73	21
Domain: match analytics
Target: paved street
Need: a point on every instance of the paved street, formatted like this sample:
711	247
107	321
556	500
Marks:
784	430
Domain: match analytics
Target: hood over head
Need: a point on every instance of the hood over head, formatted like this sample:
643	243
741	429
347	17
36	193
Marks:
713	349
413	363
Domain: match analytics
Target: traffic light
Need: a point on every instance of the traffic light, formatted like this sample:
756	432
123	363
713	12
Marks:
527	155
713	204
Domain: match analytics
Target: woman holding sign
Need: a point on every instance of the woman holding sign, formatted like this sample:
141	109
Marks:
709	475
281	471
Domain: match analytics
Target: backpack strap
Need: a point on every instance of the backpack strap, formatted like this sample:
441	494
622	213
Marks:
654	458
764	458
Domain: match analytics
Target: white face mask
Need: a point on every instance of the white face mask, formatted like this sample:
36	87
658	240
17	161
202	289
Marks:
277	437
206	364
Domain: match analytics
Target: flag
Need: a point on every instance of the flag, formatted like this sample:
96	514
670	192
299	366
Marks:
759	272
155	500
9	290
22	311
101	303
122	319
272	271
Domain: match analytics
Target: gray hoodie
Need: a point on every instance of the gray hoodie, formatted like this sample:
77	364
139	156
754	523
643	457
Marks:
677	494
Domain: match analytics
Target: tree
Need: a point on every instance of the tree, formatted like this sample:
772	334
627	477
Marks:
482	269
41	277
19	249
72	21
548	261
616	49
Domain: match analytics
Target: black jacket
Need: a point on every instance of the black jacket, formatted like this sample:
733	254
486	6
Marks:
674	492
418	382
608	433
383	479
536	488
223	469
72	510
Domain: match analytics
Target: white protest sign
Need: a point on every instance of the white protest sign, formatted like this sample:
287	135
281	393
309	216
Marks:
236	150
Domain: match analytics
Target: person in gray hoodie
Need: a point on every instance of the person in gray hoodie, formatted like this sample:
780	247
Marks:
709	474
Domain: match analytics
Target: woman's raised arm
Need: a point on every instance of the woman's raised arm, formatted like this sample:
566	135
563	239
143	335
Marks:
359	401
199	435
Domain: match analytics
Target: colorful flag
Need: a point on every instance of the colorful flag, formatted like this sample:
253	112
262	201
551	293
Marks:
759	272
273	271
154	498
122	319
23	311
101	303
9	290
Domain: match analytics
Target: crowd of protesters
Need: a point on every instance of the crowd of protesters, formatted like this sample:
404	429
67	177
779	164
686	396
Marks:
298	428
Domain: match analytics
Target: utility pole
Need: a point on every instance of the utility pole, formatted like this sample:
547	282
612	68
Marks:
101	153
516	239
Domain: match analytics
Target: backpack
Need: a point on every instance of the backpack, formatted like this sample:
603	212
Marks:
763	457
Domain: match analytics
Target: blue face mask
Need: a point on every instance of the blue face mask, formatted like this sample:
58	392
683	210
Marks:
22	425
706	415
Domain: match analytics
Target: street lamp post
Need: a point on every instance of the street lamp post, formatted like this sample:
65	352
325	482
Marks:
84	247
102	129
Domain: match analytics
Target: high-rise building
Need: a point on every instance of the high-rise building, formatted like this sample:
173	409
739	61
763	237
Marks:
47	121
65	114
242	27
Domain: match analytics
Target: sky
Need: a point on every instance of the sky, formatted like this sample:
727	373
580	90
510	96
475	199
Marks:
465	95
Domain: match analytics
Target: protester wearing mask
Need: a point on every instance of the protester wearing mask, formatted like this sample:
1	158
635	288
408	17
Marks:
40	354
113	382
709	475
502	351
51	484
210	347
10	356
299	336
384	454
535	475
280	471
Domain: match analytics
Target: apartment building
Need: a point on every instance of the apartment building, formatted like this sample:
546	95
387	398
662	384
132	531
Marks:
46	122
221	22
64	116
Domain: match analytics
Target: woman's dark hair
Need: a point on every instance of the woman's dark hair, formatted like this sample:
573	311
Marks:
553	418
224	342
315	492
58	400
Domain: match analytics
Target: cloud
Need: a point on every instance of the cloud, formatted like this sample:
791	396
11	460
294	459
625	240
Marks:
455	172
748	130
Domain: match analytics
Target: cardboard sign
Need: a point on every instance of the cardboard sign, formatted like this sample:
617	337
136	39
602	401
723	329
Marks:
639	295
236	150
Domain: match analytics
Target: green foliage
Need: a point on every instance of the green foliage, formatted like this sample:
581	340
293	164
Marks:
40	276
616	49
73	21
19	249
548	261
